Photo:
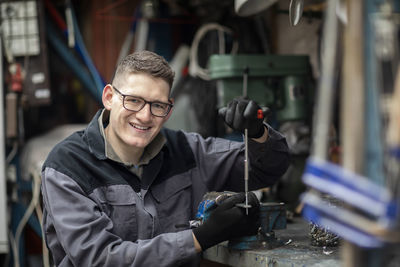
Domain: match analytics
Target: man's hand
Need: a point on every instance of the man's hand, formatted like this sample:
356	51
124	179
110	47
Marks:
241	114
229	221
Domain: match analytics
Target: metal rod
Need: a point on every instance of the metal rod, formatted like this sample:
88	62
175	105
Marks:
246	148
246	170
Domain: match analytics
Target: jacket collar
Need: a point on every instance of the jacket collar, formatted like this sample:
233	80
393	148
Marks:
97	144
94	138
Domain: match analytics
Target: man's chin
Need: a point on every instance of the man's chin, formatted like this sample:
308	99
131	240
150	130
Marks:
139	143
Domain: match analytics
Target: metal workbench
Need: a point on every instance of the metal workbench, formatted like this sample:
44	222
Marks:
296	251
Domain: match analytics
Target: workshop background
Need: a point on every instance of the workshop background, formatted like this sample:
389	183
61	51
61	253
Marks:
327	70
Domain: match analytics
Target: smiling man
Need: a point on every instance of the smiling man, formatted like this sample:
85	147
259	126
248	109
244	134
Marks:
133	124
123	191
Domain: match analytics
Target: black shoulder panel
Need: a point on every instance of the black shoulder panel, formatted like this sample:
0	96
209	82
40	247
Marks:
73	158
178	156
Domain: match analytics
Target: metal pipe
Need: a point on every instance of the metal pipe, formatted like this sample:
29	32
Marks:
325	97
3	194
352	110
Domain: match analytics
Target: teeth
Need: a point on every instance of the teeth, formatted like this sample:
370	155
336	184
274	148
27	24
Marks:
140	127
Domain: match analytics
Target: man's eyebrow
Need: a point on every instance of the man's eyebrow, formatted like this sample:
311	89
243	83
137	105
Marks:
159	101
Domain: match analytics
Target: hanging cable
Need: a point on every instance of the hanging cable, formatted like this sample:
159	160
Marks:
32	205
13	248
12	153
194	69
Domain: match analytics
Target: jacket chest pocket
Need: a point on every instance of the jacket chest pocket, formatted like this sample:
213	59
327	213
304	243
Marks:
174	202
119	203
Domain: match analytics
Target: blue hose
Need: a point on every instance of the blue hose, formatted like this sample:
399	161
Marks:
64	52
80	47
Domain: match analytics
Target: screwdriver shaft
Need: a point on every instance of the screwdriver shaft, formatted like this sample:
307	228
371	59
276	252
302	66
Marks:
246	162
246	170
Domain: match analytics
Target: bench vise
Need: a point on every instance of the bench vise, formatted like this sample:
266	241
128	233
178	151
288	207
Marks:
272	217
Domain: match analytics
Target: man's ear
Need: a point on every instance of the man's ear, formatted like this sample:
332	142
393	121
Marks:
107	96
171	100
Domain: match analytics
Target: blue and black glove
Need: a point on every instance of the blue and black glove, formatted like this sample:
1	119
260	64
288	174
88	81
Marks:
227	221
242	113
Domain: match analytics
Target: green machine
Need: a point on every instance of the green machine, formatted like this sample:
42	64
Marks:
281	82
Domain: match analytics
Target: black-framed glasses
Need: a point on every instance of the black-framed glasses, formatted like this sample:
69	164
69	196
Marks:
135	103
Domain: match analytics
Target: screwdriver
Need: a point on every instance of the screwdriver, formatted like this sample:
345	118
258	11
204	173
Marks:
260	115
246	148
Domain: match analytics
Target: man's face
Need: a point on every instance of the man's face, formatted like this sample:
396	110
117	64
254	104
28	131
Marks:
129	128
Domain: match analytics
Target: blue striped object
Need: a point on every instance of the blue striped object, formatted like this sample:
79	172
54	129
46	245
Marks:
353	189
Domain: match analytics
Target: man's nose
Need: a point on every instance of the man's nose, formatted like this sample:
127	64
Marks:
145	113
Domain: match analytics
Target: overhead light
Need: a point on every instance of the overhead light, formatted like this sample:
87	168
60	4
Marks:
246	8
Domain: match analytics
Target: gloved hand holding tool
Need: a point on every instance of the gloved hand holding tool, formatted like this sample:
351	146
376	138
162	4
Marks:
229	221
241	114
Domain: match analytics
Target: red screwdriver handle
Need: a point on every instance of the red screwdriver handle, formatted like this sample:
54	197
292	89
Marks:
260	114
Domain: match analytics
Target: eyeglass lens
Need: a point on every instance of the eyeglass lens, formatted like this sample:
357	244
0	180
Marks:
136	104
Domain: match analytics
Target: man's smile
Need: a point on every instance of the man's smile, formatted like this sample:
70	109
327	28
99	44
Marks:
139	127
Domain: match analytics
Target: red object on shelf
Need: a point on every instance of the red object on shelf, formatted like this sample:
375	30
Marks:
16	77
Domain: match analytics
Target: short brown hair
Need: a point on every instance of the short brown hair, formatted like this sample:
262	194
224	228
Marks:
146	62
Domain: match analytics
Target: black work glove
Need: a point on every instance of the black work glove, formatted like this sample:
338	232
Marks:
228	221
241	113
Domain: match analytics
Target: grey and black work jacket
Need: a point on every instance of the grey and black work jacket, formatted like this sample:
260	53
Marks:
98	213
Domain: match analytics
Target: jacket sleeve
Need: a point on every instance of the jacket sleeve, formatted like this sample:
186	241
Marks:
221	161
269	160
78	233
